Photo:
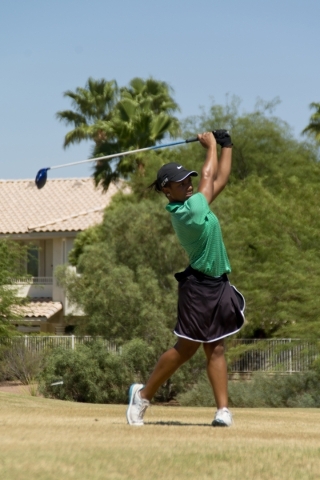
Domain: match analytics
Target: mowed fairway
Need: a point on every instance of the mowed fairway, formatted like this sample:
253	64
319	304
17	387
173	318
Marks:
50	439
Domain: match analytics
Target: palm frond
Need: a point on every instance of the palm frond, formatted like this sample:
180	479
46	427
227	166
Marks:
76	136
71	117
127	109
314	125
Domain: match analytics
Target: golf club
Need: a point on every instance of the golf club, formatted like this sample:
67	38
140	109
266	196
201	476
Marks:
41	177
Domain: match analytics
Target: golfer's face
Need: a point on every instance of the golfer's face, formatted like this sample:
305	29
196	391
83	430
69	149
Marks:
181	191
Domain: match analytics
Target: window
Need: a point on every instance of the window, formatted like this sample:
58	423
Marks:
33	261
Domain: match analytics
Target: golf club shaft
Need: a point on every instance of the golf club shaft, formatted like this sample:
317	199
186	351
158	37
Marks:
123	154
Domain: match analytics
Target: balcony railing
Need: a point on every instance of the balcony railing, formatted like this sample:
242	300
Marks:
31	281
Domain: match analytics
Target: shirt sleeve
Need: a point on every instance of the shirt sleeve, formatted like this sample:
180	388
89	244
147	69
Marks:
197	208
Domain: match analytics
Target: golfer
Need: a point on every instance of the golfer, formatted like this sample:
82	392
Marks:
209	308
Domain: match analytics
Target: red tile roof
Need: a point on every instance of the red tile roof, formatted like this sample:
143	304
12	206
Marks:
72	204
39	308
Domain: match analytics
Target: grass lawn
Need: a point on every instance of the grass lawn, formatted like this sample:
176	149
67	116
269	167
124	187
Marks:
51	439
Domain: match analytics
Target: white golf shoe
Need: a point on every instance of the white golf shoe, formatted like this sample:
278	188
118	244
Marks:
137	405
222	418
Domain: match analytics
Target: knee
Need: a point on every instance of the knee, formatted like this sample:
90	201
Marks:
219	350
216	351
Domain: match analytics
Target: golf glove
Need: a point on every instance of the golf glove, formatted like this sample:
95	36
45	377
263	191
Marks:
222	138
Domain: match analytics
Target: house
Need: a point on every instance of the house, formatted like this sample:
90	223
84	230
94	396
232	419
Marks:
48	221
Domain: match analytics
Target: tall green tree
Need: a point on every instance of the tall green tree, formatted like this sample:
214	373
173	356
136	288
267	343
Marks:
93	108
314	126
271	238
270	221
129	118
11	258
129	290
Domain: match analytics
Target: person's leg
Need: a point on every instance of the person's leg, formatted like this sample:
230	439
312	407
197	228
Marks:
217	372
168	363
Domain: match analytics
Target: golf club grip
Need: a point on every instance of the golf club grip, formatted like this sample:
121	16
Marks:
196	139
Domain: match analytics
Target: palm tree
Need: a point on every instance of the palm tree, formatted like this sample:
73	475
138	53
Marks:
314	126
146	112
117	120
93	109
143	116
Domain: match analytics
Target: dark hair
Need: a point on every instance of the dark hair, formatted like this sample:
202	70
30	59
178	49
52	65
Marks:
155	186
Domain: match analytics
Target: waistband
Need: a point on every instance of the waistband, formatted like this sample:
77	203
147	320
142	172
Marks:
180	276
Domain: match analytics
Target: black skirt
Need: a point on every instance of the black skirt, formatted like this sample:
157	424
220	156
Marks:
209	308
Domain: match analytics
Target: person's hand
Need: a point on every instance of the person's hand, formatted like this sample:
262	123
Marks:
207	139
222	138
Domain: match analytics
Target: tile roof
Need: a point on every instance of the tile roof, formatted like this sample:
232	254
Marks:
69	204
39	307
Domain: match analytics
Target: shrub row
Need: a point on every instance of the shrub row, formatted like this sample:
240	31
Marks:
91	373
298	390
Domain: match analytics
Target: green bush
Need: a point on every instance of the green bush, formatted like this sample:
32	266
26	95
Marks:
299	390
183	379
18	362
200	395
295	390
3	374
89	373
139	357
92	374
316	365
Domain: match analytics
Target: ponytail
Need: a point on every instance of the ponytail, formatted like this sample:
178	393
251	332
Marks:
155	186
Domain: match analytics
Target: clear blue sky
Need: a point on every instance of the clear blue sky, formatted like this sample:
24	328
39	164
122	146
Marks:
205	49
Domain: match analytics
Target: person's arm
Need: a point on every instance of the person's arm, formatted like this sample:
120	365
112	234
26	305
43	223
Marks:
209	170
214	175
224	169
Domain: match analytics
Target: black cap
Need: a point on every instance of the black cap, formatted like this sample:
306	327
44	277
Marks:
173	172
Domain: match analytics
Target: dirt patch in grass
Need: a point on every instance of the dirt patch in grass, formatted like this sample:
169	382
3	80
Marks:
11	387
18	388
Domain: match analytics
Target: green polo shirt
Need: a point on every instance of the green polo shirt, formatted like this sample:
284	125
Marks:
199	233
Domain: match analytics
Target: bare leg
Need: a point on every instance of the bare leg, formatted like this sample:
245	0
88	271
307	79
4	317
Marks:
168	363
217	371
